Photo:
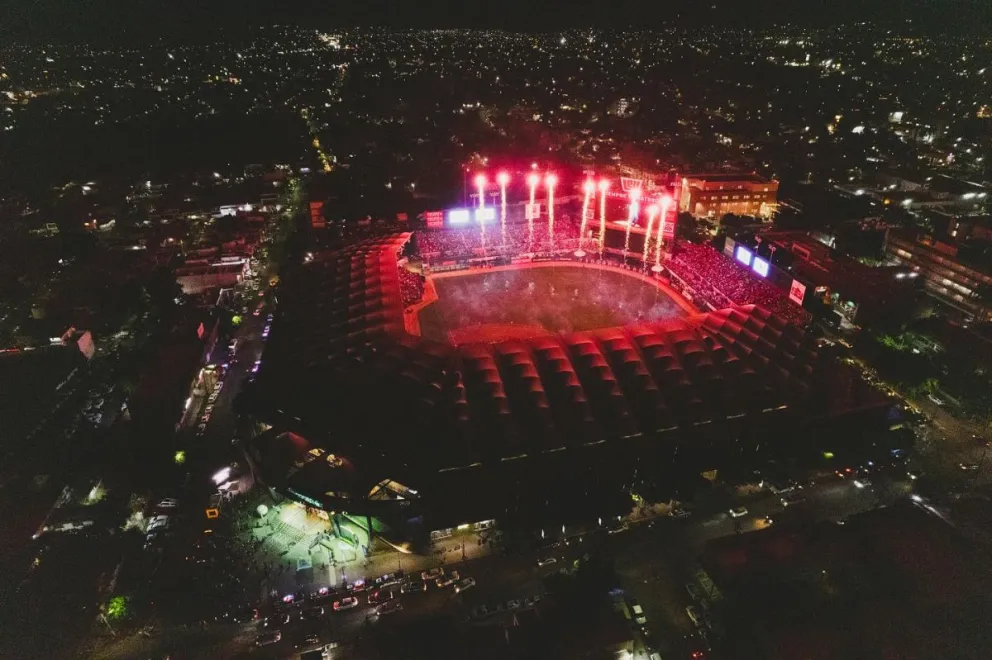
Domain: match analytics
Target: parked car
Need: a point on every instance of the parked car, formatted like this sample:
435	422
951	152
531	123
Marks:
389	608
380	596
267	638
694	616
307	642
738	512
638	612
447	580
345	603
276	620
158	522
793	497
432	574
464	584
415	587
530	601
313	613
546	561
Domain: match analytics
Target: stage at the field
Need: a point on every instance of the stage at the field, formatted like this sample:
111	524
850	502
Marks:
536	299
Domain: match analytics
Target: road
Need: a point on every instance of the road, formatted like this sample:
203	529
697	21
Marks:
654	559
656	562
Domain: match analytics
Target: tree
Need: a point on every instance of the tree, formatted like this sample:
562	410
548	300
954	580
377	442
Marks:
117	607
685	225
731	221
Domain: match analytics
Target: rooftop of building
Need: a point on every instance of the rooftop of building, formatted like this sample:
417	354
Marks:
31	384
850	278
973	254
746	177
896	582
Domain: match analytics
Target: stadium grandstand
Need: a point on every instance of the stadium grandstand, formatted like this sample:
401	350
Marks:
350	399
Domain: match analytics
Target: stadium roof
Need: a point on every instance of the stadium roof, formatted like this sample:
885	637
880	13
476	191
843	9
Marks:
339	364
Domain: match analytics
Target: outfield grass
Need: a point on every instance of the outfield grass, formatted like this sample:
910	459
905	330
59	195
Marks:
558	299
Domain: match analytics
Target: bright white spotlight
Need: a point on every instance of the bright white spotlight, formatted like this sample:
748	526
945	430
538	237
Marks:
480	183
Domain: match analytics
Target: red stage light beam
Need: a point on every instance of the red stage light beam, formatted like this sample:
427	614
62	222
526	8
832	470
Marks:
666	203
480	184
589	188
550	181
652	212
635	197
502	179
532	181
603	186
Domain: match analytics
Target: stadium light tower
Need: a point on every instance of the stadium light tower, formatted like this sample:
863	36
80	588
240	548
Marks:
480	184
635	207
652	212
532	180
502	179
603	186
589	188
666	203
550	181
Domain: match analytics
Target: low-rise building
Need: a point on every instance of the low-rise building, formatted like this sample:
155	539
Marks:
948	274
708	195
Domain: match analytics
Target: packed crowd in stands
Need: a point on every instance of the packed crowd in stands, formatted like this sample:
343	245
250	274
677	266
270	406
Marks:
718	279
470	242
411	287
713	277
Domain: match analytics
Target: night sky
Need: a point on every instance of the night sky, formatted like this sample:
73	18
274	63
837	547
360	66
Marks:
95	20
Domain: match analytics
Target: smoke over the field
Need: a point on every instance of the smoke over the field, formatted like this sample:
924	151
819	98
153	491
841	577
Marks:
559	299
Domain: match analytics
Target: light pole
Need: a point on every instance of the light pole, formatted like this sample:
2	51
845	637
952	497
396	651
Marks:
550	181
589	188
